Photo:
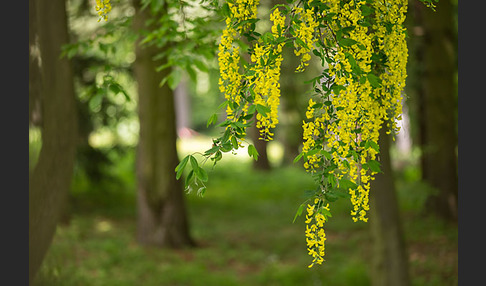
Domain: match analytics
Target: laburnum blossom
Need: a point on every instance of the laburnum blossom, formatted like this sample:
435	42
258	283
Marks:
304	32
103	7
267	60
314	231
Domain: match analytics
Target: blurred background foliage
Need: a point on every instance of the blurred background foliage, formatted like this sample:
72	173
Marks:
243	226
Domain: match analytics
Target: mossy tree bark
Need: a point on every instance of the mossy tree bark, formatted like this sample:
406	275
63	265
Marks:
51	178
162	219
390	260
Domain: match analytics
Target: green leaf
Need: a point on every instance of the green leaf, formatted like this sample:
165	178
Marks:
298	157
312	152
346	184
226	136
301	43
223	104
252	108
226	10
347	42
201	174
299	212
218	156
180	167
252	151
213	149
226	147
374	80
374	166
366	10
234	142
342	194
114	88
224	123
309	194
373	145
174	78
212	119
325	212
189	177
194	163
326	154
247	116
263	110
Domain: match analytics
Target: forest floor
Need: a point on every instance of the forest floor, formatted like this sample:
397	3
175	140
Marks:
245	235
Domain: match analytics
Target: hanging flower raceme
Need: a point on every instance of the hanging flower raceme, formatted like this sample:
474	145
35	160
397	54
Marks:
264	81
391	41
314	231
358	93
305	27
242	10
230	79
103	7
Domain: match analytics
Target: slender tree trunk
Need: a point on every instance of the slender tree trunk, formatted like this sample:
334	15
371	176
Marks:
162	219
34	69
261	146
390	261
50	180
438	135
292	107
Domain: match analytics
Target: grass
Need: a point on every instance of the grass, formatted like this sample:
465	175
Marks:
243	226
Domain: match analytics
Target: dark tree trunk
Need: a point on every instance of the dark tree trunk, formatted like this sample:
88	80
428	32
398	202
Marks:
437	106
261	146
35	117
292	106
162	219
390	261
50	180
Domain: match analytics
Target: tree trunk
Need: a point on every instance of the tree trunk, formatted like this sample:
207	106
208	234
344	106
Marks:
390	262
162	219
262	163
438	100
34	69
292	106
50	180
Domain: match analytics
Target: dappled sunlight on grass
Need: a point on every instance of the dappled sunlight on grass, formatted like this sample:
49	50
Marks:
200	143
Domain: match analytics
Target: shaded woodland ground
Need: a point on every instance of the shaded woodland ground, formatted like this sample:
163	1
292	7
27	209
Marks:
244	231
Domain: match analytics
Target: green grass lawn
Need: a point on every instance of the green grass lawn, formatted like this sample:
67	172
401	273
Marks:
245	235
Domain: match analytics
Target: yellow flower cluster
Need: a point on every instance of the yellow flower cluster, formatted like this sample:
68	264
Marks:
266	78
311	132
392	42
314	231
242	10
103	7
357	114
304	32
228	60
230	81
363	43
358	119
